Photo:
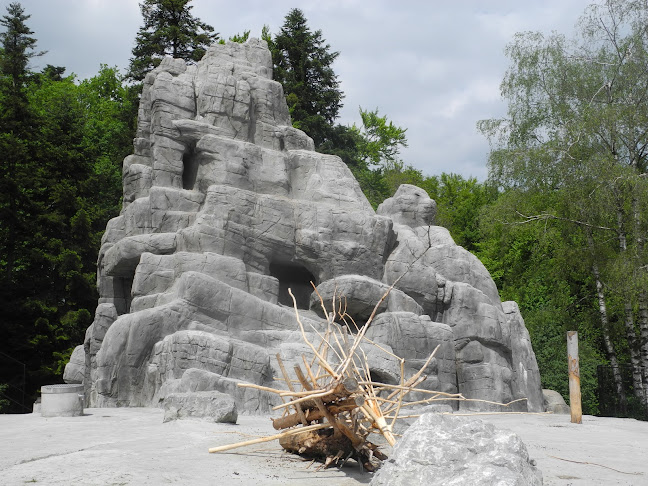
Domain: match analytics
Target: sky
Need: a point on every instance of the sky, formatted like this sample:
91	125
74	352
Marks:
433	67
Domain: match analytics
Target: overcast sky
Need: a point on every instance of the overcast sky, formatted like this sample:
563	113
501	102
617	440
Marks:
433	67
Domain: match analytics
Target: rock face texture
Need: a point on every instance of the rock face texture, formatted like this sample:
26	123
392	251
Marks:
211	406
554	402
75	369
442	449
227	206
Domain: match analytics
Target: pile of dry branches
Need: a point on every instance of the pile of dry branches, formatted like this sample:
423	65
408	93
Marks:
331	405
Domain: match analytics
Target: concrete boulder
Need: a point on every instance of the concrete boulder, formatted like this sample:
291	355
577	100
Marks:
75	369
442	449
211	406
554	402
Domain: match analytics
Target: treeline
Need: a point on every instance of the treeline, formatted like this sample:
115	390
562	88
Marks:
61	144
560	222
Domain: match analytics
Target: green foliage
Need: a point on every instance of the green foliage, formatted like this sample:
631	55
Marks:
303	65
240	38
371	151
18	46
60	182
459	202
4	404
381	140
169	29
571	158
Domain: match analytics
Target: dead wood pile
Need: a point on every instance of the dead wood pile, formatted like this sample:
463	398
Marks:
331	405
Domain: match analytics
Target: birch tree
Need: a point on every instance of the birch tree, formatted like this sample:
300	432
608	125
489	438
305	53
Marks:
575	141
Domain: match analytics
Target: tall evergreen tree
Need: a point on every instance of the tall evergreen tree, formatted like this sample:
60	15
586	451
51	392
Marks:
62	144
17	169
16	126
169	30
303	64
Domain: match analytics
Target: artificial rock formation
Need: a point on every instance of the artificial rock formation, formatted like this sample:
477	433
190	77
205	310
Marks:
226	207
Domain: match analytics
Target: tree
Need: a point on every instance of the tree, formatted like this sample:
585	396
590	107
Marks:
16	125
240	38
371	152
303	65
69	188
60	179
572	155
459	205
169	30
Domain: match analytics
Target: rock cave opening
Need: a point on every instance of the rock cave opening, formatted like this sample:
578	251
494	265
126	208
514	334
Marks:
295	277
382	377
122	290
190	165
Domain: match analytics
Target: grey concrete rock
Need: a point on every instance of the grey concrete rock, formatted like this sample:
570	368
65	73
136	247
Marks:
554	402
526	376
360	295
413	337
410	206
75	369
227	210
249	400
442	449
212	406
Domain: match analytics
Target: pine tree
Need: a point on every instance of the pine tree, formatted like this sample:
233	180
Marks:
17	168
303	65
169	30
16	126
62	144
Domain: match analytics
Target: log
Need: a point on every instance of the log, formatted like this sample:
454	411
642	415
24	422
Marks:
326	446
260	440
315	414
340	427
341	389
317	444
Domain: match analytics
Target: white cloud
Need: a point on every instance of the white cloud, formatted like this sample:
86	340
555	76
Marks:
432	67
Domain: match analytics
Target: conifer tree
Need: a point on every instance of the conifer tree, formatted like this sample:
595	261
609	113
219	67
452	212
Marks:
16	125
62	144
303	64
169	30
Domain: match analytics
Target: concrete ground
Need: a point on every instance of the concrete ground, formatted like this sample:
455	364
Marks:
120	446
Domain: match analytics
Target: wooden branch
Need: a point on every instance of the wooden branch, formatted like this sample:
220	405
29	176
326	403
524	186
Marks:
379	421
269	438
341	389
259	387
335	408
298	407
302	379
409	383
381	386
310	373
545	217
596	464
323	362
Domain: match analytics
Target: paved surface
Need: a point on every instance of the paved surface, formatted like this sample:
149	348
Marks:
120	446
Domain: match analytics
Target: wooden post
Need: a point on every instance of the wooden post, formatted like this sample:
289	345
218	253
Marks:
574	378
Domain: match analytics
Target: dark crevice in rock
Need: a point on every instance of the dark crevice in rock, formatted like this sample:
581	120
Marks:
390	245
381	377
295	277
190	164
122	288
252	122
